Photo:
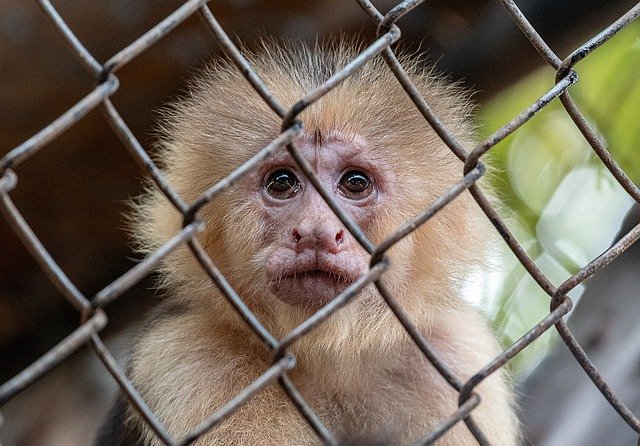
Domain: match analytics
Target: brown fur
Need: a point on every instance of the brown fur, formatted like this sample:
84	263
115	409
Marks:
359	370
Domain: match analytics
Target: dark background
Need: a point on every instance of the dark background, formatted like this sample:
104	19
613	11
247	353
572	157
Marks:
73	192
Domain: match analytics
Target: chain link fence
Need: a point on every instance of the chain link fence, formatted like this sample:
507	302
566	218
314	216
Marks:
93	318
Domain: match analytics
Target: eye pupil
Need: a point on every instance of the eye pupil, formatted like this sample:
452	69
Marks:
357	182
282	184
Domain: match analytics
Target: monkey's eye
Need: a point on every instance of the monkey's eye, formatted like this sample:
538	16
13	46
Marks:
282	184
355	185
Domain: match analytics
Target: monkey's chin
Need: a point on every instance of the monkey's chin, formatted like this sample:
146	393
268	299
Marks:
311	290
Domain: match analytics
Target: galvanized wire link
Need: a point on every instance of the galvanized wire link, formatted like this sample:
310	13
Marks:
463	412
36	248
467	181
52	358
242	63
267	151
53	130
275	371
93	319
131	393
144	268
434	121
553	318
340	301
518	121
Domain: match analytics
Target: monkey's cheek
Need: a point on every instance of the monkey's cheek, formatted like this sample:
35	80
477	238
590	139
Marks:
310	292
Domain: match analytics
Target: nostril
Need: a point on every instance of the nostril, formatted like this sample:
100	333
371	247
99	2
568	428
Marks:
340	237
296	236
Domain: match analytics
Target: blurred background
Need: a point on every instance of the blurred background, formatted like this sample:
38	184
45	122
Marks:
562	204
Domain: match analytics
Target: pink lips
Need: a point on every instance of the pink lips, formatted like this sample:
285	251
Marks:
312	284
335	274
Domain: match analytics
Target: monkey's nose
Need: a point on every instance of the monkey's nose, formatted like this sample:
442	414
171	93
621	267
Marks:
328	238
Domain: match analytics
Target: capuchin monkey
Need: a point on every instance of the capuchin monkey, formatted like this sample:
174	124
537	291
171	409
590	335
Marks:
287	255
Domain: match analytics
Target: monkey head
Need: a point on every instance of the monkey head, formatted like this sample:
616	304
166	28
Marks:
272	235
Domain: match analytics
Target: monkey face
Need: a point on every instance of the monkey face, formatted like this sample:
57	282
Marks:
272	236
312	257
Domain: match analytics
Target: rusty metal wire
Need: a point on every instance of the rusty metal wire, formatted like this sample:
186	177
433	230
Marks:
93	319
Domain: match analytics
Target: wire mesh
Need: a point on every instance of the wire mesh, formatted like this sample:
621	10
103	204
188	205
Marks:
93	319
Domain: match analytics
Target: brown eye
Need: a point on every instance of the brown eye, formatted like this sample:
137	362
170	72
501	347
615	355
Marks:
355	184
282	184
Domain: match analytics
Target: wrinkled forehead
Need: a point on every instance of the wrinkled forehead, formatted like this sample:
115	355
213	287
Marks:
336	147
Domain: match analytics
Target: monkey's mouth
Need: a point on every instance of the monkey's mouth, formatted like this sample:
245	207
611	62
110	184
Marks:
311	288
317	273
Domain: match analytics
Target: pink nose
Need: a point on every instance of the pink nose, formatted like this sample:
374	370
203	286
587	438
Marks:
323	236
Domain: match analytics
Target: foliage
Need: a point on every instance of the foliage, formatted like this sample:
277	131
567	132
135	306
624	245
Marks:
562	204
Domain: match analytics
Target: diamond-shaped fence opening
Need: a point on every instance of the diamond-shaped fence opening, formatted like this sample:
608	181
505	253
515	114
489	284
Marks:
93	319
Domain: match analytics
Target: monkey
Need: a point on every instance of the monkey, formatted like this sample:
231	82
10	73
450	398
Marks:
288	255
